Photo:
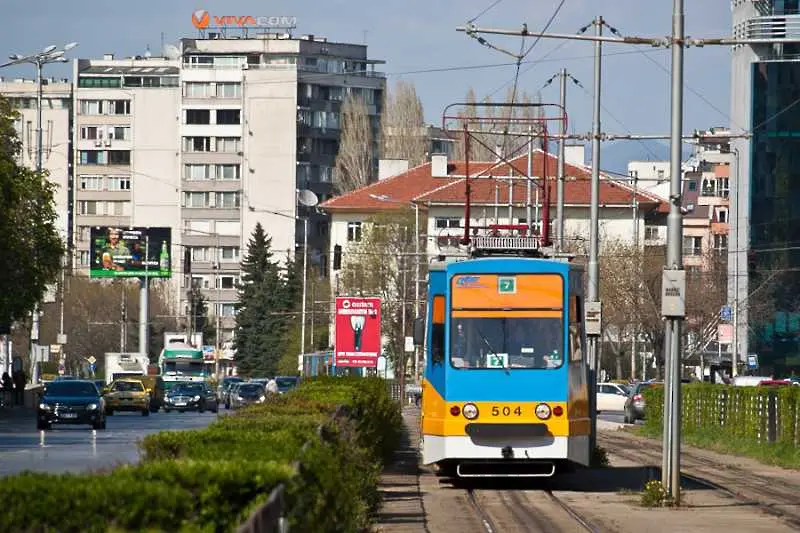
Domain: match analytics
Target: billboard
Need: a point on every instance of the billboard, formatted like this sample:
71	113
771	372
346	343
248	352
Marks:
358	331
118	252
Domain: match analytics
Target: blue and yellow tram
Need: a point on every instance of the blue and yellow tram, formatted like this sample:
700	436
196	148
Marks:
505	390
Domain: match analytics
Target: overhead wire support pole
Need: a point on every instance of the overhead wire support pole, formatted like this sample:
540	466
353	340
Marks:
674	282
594	307
561	161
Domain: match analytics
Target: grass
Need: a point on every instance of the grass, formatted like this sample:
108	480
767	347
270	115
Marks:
782	455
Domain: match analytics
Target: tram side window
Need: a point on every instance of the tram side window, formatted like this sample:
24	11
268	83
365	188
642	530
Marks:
437	330
576	348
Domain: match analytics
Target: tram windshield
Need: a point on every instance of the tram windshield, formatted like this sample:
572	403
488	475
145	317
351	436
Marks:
507	342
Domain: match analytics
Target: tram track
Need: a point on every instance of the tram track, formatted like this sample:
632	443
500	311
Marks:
745	486
525	511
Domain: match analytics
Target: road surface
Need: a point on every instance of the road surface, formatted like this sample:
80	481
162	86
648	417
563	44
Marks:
79	448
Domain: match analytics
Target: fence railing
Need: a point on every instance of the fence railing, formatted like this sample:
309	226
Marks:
754	414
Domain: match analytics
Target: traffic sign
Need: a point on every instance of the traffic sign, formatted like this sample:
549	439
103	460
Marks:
726	313
92	359
506	285
752	361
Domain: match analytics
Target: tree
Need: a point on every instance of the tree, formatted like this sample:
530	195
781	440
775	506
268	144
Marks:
198	314
403	125
354	166
262	309
382	264
32	248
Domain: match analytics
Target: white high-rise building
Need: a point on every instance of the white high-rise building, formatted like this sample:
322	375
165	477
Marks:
212	142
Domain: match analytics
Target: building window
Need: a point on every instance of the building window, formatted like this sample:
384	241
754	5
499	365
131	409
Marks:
89	207
119	183
198	116
692	245
92	157
229	145
83	258
447	222
325	174
227	227
692	185
229	116
722	216
229	90
200	282
227	172
84	233
119	107
651	233
229	253
118	209
195	89
89	133
119	157
197	144
200	254
227	282
354	231
197	172
720	243
228	309
90	107
195	199
119	133
227	200
91	183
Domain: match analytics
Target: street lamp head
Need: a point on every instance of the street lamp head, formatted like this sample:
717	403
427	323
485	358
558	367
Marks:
15	57
48	49
70	46
54	56
63	60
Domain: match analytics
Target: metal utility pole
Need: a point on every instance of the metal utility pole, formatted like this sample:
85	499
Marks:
305	282
417	355
674	282
123	323
144	344
635	209
735	310
561	160
529	183
593	305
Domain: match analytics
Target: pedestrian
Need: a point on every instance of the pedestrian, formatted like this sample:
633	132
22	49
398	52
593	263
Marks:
272	386
8	389
19	379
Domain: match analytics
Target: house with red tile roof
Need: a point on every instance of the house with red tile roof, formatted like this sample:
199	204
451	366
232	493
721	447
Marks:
499	195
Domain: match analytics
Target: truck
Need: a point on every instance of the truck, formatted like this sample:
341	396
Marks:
181	361
125	364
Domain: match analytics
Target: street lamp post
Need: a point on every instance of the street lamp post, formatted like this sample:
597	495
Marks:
49	54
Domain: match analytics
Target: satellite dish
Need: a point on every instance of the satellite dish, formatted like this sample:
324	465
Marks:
307	198
171	51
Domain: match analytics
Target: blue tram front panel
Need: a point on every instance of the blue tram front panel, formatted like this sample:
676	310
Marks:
506	373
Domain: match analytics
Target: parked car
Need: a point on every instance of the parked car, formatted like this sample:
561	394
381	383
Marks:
191	396
231	392
71	402
635	404
611	397
127	395
286	383
225	385
248	394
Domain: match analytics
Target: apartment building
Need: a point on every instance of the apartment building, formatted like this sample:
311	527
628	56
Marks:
56	140
210	142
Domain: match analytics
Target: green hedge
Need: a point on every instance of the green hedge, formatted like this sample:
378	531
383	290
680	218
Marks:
734	418
212	479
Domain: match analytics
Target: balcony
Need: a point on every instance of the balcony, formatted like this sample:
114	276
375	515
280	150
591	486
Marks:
720	228
773	27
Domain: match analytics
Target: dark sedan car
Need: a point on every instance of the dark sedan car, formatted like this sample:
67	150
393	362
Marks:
247	394
71	402
286	383
635	404
191	397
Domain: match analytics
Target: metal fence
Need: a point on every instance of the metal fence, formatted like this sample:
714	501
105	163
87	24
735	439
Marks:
755	414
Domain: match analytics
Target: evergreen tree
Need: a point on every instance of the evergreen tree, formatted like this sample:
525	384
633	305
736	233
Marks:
260	323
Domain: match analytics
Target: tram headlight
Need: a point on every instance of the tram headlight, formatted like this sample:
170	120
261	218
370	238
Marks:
470	411
542	411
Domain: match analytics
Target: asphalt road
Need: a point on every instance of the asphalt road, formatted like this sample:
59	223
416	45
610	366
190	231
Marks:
79	448
612	416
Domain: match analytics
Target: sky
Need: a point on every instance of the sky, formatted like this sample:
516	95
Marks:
419	42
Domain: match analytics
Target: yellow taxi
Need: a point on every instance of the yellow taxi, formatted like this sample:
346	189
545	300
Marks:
127	395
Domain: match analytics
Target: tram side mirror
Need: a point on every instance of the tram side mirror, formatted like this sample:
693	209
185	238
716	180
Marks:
419	331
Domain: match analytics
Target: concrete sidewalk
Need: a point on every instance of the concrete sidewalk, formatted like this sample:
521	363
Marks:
402	510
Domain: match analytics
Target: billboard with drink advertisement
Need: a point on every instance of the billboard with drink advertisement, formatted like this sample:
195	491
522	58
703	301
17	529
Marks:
117	252
358	331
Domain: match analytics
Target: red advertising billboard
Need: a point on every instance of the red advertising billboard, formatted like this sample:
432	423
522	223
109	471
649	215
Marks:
358	331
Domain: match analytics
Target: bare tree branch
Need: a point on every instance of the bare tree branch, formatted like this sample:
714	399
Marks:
403	125
354	160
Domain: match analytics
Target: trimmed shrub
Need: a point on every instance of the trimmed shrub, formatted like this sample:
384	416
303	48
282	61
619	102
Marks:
210	480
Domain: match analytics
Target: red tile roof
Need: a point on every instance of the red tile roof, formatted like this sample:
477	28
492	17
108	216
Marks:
417	185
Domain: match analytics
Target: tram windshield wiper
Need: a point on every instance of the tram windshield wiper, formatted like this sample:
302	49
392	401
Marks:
488	345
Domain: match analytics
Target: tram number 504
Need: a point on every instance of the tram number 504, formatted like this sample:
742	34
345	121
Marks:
506	411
